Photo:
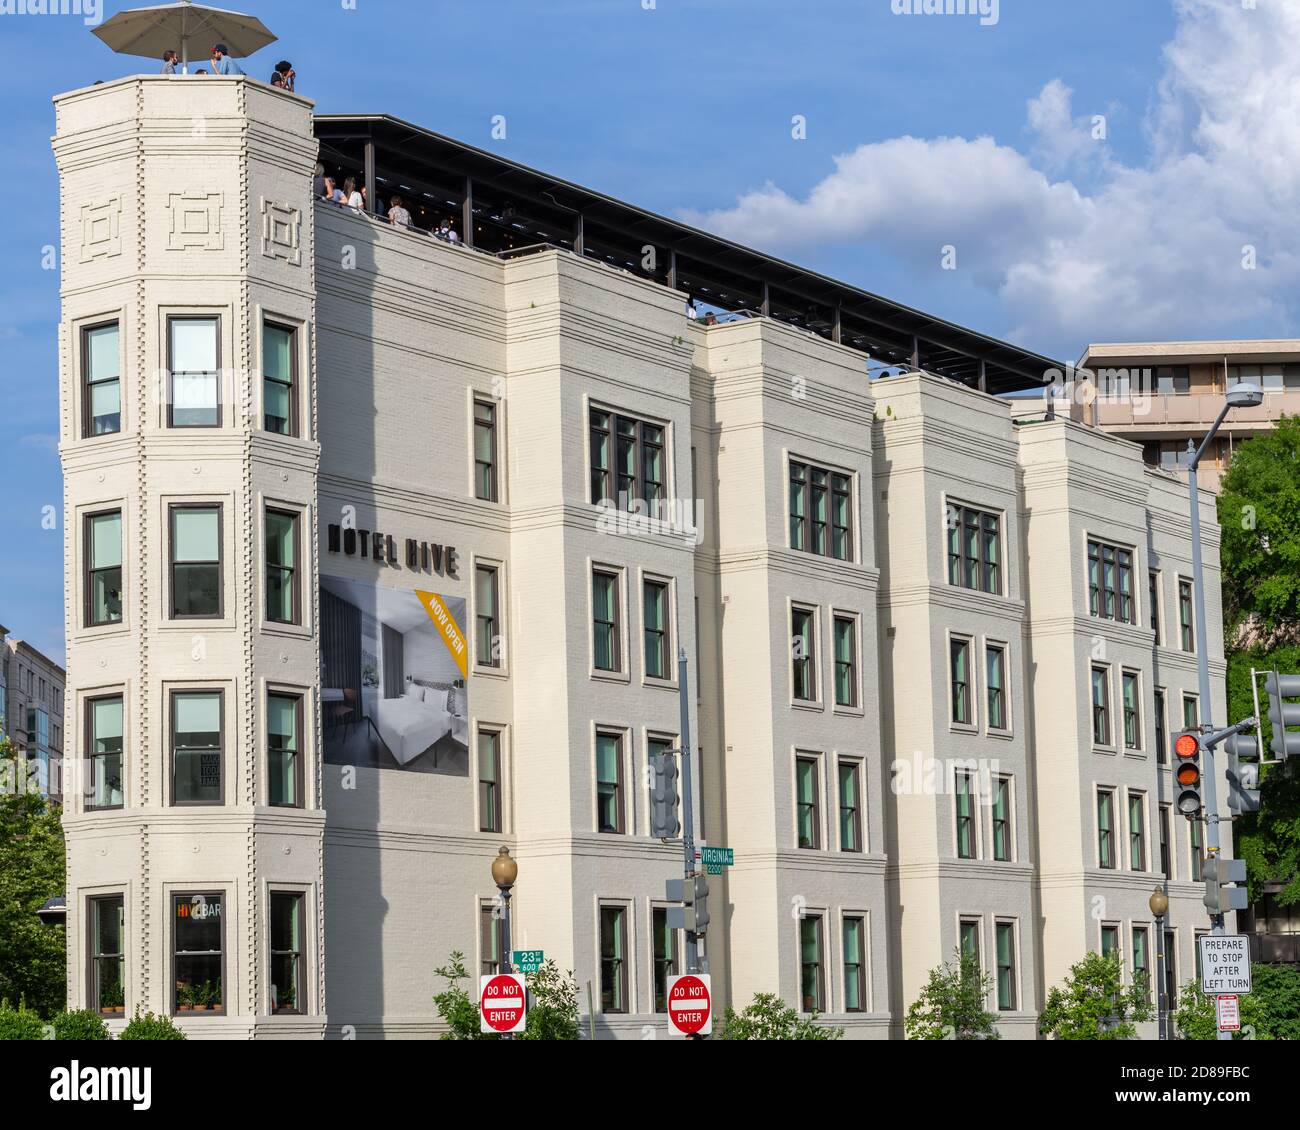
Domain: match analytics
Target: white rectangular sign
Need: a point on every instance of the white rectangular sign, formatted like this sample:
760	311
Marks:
1225	964
1229	1014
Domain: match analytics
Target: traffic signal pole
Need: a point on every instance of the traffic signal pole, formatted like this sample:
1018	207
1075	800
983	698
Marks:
688	810
1210	788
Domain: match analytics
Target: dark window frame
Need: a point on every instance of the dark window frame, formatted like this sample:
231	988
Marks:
1186	616
852	812
813	806
1153	598
293	383
981	572
855	972
620	972
1004	850
295	594
818	923
299	898
845	669
995	696
94	987
619	826
299	755
827	537
660	639
172	696
489	938
614	430
803	670
171	372
1106	860
174	955
91	757
89	570
966	839
493	800
489	468
87	383
1166	832
614	627
1131	709
1007	929
1110	582
1159	706
492	621
665	957
1102	729
1137	835
173	509
961	703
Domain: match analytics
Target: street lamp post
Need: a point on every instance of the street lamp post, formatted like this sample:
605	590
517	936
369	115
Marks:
1159	904
1239	395
504	873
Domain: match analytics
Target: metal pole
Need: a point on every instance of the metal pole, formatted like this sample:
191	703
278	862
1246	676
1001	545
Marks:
1201	638
688	810
1160	976
467	214
370	186
505	941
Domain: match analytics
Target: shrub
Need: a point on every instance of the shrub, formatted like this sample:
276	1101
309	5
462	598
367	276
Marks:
20	1023
151	1027
80	1025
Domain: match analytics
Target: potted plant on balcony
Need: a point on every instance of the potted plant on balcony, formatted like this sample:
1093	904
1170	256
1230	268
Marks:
185	998
285	999
114	998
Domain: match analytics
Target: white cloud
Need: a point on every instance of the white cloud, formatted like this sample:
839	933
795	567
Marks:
1144	251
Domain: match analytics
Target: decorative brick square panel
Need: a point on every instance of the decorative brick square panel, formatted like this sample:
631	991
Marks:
281	226
101	229
196	221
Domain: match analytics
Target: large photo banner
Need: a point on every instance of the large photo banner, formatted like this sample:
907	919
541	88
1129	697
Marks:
393	678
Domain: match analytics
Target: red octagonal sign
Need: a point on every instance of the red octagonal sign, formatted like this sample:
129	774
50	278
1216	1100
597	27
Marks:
501	1002
690	1005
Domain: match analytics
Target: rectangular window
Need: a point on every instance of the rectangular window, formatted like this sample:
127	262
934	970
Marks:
489	780
1173	380
667	961
485	450
101	369
613	959
1005	940
974	549
487	620
609	782
821	509
1142	962
850	806
1153	599
964	798
1171	965
959	672
1110	582
192	362
104	752
198	953
282	603
968	939
279	386
1109	940
807	809
1162	746
283	750
1137	832
287	981
197	747
1100	706
1191	713
1186	626
1002	819
658	646
605	630
803	655
811	964
489	939
1106	828
855	964
107	988
103	549
1166	857
995	663
1194	840
1132	714
196	561
846	661
636	472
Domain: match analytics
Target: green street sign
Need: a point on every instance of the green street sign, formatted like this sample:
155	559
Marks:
713	868
527	961
717	857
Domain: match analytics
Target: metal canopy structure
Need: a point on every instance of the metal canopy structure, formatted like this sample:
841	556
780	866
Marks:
502	206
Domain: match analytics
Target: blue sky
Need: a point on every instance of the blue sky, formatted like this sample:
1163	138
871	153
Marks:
686	108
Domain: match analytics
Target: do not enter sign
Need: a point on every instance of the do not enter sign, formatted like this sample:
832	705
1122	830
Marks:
501	1002
690	1005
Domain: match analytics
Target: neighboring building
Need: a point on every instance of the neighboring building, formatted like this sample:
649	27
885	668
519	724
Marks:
4	683
346	611
33	715
1160	394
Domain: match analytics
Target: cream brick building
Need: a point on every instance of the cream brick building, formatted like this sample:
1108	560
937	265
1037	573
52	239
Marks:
282	419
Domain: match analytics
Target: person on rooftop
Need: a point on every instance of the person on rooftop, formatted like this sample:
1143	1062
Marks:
318	181
222	63
710	319
352	195
398	216
170	59
277	80
287	74
691	312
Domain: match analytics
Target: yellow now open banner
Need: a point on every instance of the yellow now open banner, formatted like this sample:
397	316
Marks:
448	629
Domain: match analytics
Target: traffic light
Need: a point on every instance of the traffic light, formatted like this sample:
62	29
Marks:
1283	715
693	894
663	797
1243	772
1219	897
1187	772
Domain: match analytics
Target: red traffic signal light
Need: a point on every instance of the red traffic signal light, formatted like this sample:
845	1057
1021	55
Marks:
1187	774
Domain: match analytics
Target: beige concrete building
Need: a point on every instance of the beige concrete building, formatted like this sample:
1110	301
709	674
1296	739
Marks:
1160	394
31	691
380	549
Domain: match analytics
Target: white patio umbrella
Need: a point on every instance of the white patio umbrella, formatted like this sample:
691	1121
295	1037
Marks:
151	31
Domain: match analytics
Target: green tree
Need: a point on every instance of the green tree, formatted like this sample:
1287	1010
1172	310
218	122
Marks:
553	1005
768	1017
1195	1017
454	1004
32	955
82	1024
1093	1003
951	1006
20	1023
151	1027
